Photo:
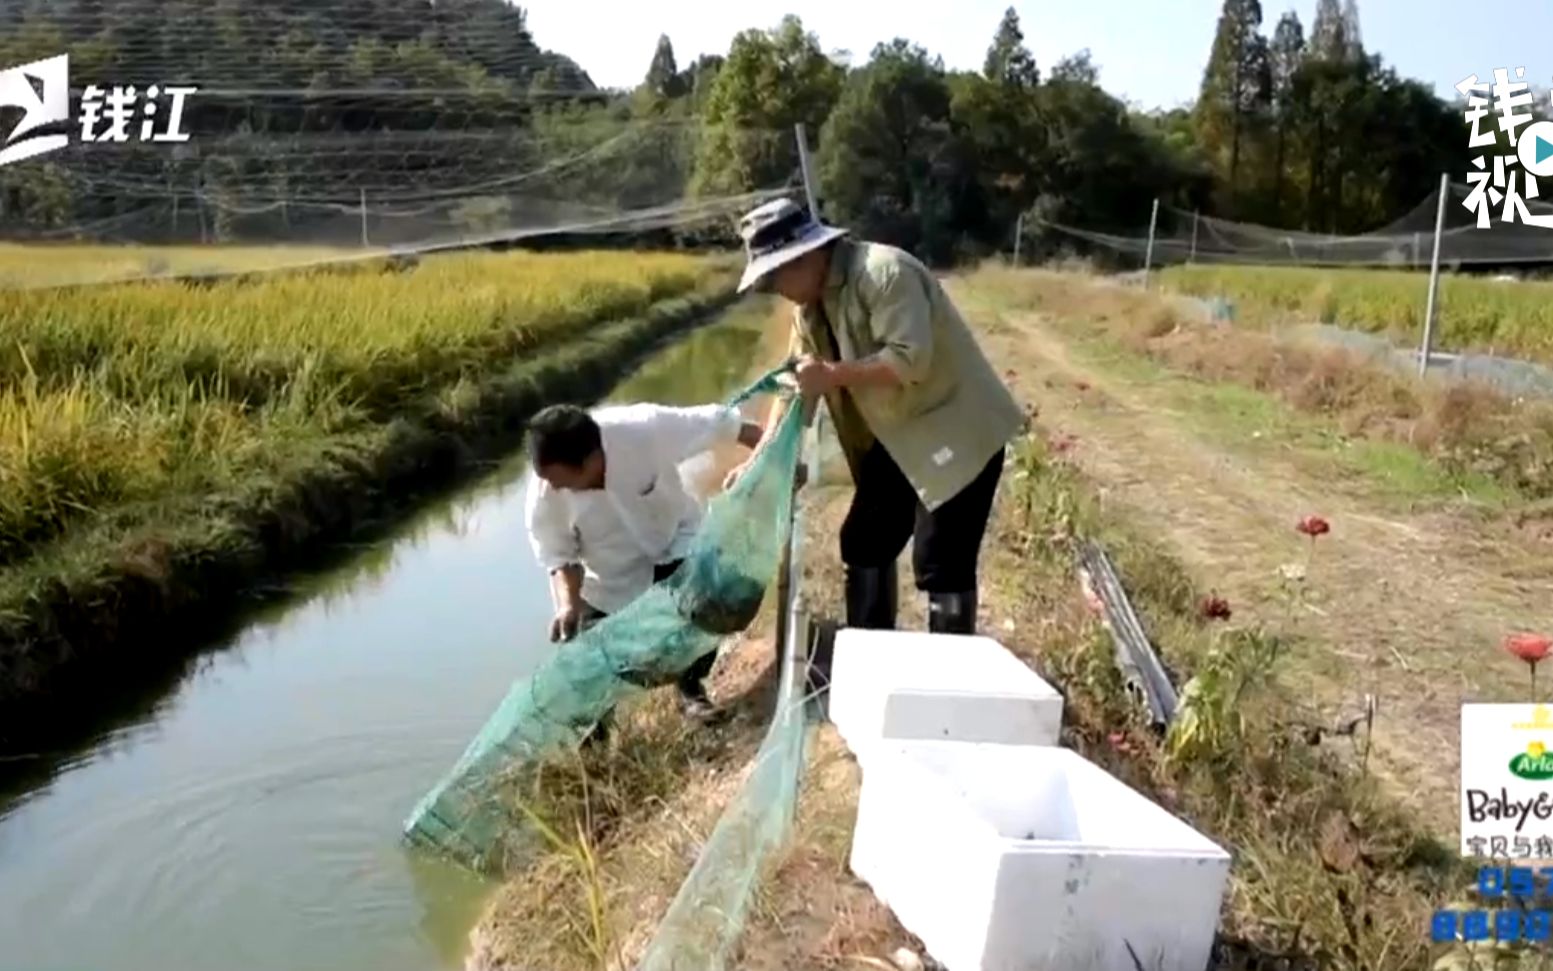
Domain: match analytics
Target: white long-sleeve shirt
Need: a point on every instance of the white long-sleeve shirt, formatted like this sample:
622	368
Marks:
643	516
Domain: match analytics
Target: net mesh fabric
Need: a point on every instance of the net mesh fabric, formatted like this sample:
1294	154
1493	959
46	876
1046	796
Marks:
1408	242
732	558
326	133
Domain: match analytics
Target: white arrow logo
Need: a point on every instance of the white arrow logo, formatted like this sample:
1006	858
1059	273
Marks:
52	107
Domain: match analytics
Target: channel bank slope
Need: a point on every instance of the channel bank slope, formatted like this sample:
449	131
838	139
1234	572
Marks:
1330	859
178	450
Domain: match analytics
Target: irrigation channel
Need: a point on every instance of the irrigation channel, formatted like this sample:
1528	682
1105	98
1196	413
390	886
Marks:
251	819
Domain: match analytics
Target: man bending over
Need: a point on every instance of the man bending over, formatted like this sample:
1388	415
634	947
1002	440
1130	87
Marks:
608	515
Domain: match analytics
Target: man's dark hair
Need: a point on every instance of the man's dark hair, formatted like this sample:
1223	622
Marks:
562	435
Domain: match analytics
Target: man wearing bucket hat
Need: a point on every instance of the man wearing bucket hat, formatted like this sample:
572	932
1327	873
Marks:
921	415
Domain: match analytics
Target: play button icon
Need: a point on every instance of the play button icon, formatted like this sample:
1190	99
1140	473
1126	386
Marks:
1535	147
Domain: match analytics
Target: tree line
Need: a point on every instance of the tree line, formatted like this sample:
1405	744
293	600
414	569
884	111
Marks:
1299	129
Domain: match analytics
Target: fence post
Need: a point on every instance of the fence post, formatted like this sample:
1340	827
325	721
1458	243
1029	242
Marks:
1019	233
1196	218
1148	254
1434	277
364	242
807	169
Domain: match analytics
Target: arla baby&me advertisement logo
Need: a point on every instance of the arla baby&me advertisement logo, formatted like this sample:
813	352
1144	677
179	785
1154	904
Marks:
41	91
1535	763
1507	781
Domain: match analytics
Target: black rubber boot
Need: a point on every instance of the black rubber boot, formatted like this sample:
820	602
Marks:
952	613
872	597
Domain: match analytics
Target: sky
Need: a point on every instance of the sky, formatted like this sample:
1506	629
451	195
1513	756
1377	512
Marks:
1150	52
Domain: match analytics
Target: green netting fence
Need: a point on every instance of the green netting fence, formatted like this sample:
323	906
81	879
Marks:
706	919
469	816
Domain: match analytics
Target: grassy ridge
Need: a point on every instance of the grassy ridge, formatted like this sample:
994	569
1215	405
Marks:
157	502
1509	319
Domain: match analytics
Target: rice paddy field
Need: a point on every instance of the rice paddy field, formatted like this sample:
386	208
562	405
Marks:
119	394
69	264
129	413
1507	318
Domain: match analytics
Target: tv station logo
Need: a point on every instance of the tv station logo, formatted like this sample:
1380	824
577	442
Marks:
112	113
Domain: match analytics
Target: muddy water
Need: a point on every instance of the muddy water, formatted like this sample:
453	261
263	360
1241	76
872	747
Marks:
250	819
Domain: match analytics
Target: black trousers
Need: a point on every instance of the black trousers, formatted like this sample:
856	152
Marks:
886	512
689	683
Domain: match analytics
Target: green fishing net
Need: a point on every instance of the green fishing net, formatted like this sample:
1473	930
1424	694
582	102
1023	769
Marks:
718	590
704	923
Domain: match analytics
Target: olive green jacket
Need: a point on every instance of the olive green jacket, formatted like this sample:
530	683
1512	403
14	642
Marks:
952	413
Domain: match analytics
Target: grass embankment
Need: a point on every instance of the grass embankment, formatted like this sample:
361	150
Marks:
163	447
1332	869
1512	319
1327	874
1416	441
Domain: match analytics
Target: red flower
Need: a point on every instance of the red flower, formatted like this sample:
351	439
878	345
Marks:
1214	607
1529	647
1313	526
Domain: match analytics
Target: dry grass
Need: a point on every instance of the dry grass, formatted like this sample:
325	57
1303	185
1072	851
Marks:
1412	599
639	808
1350	892
1467	430
1328	872
811	912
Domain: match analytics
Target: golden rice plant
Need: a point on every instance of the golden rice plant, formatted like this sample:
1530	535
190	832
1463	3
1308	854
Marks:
43	265
130	393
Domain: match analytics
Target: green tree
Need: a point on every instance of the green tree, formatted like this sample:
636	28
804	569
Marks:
1353	39
1236	86
1102	169
1329	32
889	162
663	77
770	81
698	78
1008	60
997	115
1076	69
1285	54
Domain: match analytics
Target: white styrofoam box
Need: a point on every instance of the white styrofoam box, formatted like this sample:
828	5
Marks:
914	685
1032	858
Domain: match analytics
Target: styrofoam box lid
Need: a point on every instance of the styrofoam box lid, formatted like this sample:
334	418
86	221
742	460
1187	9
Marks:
942	662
